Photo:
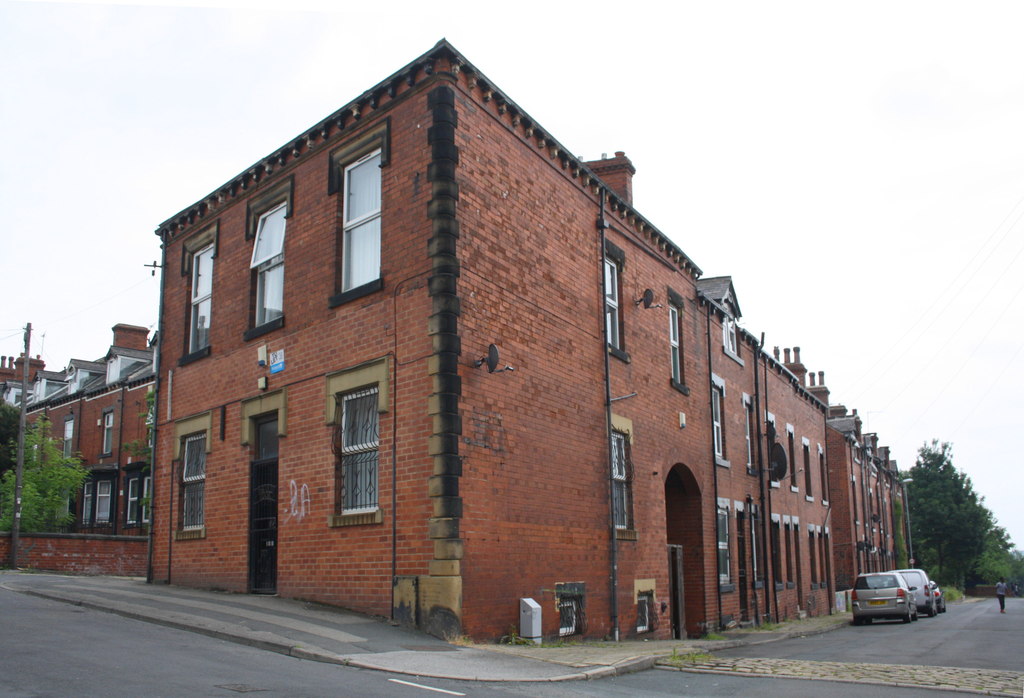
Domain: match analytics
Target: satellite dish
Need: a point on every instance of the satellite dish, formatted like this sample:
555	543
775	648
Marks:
492	358
648	298
779	462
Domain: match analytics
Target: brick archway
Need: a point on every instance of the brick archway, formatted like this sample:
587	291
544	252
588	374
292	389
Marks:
684	533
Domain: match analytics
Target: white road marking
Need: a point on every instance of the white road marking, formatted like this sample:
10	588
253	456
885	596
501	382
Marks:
426	688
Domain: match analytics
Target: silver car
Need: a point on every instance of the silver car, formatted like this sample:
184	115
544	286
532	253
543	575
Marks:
882	595
918	581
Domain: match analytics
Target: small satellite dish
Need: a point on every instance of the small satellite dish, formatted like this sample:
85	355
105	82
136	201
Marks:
648	298
492	358
779	462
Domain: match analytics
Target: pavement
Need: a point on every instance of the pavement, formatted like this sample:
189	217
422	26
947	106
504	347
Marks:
328	634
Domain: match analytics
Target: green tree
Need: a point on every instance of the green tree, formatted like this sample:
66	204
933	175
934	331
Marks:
48	482
9	416
949	523
996	560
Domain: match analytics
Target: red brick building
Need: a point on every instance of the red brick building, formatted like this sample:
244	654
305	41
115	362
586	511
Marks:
870	511
423	362
99	410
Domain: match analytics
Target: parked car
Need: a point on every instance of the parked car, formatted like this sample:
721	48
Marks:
918	580
882	595
940	599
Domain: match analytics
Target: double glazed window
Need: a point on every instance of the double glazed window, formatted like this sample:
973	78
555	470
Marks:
108	432
268	263
193	481
87	502
717	415
724	575
202	298
612	306
361	248
69	433
137	509
359	438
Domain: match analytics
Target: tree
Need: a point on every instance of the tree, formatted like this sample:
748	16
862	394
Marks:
949	523
49	481
9	417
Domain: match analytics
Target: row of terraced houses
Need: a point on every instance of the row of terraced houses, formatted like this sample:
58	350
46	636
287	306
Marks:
422	362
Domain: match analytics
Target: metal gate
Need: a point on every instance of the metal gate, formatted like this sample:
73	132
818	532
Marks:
263	512
676	603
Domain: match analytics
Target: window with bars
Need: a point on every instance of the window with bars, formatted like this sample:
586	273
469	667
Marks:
646	612
356	450
622	481
193	481
572	618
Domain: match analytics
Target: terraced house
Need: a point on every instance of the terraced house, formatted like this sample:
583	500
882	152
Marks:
423	362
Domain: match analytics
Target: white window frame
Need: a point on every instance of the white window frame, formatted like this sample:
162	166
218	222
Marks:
108	431
104	495
722	536
359	272
132	501
612	305
69	436
202	298
749	436
87	503
676	355
718	416
147	493
268	262
193	481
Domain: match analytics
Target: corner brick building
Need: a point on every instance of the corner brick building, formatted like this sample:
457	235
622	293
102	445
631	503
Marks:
422	362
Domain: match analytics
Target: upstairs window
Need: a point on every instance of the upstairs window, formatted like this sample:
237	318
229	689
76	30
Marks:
268	263
69	433
612	307
674	346
362	202
807	467
718	417
108	431
202	298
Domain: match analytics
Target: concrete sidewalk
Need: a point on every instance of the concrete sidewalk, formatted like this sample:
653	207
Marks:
327	634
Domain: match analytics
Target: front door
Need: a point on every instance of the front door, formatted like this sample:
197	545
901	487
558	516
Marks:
741	568
263	510
676	606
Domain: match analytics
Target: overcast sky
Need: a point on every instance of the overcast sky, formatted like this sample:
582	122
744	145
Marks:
857	168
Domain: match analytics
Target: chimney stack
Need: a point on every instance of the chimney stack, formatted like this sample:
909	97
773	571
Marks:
130	336
819	391
794	365
617	173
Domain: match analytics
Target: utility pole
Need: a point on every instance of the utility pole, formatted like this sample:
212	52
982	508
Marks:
19	467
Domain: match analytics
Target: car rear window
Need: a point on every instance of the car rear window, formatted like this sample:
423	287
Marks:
878	581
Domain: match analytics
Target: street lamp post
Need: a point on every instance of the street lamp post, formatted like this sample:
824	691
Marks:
910	537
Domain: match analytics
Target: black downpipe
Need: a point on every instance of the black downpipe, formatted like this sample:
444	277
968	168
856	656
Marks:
714	461
775	588
602	225
769	583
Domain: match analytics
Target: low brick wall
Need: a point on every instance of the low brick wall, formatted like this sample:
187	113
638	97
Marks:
79	553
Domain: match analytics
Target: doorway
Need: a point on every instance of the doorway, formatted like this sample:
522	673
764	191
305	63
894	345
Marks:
263	510
684	535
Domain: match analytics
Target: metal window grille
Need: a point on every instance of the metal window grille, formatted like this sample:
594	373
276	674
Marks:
622	481
357	440
193	481
646	612
572	618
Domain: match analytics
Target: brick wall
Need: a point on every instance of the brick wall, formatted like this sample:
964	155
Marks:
79	553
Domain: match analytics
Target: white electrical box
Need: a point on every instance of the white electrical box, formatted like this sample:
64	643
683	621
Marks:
530	620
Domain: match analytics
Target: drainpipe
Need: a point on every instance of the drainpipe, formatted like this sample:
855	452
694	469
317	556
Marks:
775	569
115	511
602	225
714	461
156	421
761	483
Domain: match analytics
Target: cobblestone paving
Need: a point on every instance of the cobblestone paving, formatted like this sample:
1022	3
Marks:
983	681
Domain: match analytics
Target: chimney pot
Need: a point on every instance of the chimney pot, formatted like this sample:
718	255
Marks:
786	352
796	355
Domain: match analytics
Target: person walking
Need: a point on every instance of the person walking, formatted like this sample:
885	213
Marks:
1001	594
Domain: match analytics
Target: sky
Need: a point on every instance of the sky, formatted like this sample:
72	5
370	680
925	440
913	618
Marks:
857	168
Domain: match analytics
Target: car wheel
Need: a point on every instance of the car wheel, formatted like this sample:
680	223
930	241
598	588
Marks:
916	616
907	618
932	612
857	620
